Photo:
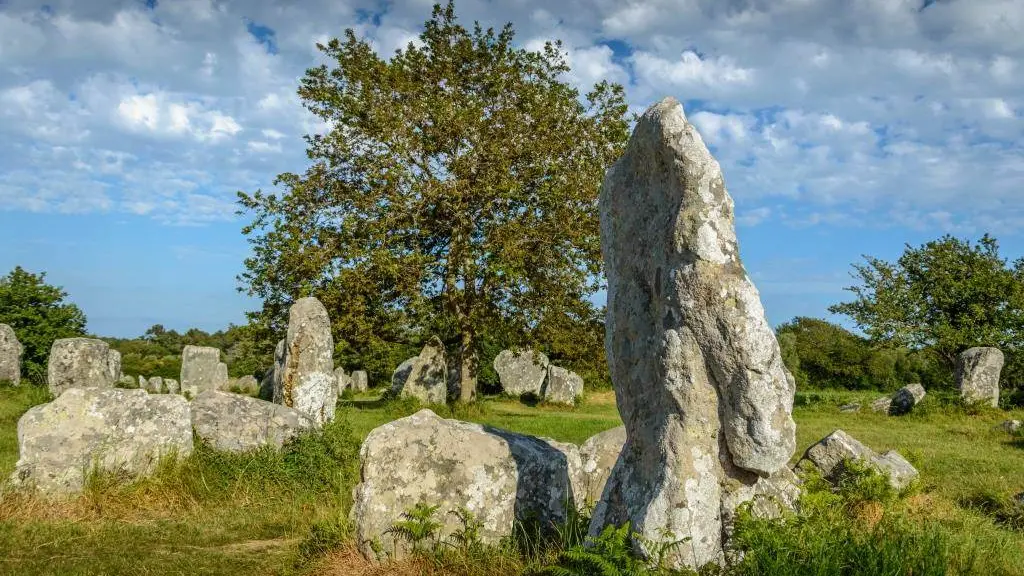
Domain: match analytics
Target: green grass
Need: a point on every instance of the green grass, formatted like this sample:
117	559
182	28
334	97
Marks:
278	513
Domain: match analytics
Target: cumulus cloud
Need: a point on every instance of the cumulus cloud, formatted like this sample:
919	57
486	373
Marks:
872	113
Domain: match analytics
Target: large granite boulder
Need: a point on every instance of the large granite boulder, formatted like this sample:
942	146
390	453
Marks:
904	400
425	376
360	381
832	452
498	476
10	355
521	371
114	430
697	370
238	423
562	386
201	370
977	375
307	379
599	454
82	363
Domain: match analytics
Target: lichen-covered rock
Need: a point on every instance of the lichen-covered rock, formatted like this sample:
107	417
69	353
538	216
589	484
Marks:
341	380
10	355
172	386
142	383
697	370
93	428
247	385
599	454
850	408
521	371
155	384
904	400
497	476
562	386
1010	426
883	405
270	387
425	376
977	375
360	381
201	370
238	423
82	363
126	381
307	381
832	451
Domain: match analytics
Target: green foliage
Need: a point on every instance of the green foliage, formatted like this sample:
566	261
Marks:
1006	511
323	537
39	314
158	351
455	194
419	528
612	553
946	295
821	354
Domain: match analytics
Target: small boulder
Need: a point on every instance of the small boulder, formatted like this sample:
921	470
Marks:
904	400
82	363
143	383
10	355
155	384
247	385
832	451
126	381
360	381
425	376
1010	426
111	429
849	408
171	385
238	423
498	476
341	380
201	370
521	371
599	454
977	375
562	386
882	405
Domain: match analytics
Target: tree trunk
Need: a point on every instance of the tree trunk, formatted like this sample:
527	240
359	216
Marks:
468	368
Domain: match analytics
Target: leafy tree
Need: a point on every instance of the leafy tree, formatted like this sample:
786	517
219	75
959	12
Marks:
455	193
39	315
946	296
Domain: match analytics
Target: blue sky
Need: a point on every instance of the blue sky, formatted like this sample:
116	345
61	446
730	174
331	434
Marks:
843	128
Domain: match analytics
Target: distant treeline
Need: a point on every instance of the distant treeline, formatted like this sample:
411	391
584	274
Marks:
158	351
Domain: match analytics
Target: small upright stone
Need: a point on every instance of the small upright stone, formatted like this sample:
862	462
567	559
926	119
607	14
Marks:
562	386
307	382
341	380
270	387
143	383
977	375
82	363
172	386
126	381
360	381
426	375
155	385
697	370
521	371
201	370
10	355
904	400
247	385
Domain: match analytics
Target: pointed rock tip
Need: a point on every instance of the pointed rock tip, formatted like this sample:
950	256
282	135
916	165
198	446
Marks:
664	108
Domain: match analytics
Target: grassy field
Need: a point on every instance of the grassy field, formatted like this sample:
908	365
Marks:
274	513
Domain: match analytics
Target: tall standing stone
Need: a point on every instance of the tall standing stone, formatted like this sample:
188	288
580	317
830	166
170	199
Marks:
425	376
307	380
201	370
10	355
698	374
977	375
82	363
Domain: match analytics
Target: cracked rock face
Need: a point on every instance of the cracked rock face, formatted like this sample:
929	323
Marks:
109	429
82	363
498	476
697	371
307	378
977	375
